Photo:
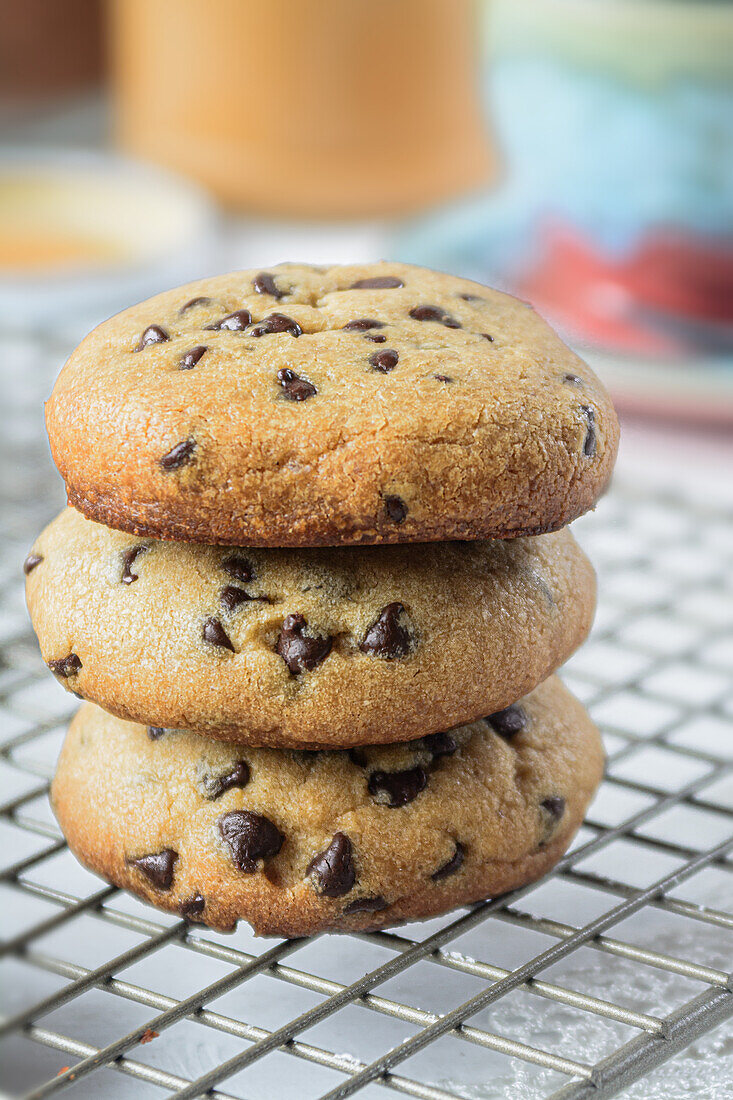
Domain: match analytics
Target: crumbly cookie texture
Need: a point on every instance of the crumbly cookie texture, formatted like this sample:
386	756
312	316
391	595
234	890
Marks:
306	406
306	648
298	842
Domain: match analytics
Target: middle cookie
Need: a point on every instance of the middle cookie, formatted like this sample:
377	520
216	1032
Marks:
318	648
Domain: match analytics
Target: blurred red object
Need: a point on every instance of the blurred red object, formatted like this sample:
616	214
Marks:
676	272
666	294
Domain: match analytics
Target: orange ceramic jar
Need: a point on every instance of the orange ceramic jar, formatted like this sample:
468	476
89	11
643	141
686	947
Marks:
330	108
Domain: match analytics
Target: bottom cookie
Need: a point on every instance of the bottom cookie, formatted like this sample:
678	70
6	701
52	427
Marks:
299	842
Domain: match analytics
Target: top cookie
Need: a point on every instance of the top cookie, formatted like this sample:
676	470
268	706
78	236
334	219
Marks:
306	406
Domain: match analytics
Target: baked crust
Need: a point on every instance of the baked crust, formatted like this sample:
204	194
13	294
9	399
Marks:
304	441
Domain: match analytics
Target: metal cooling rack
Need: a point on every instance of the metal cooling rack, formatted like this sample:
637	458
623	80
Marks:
575	987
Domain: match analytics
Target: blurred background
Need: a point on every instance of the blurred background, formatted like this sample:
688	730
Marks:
578	153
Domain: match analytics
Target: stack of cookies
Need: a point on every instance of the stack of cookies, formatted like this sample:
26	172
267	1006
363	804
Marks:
313	586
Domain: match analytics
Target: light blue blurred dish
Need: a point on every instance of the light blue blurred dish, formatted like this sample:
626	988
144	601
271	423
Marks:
614	120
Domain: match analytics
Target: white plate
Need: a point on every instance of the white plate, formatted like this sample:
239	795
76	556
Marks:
153	230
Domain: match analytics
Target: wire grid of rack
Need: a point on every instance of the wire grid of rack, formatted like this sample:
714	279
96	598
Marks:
573	988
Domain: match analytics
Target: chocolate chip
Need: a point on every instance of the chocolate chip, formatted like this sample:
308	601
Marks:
193	907
589	444
300	651
358	756
295	387
442	377
276	322
573	379
555	807
233	322
231	597
31	562
215	785
153	334
157	867
453	865
178	456
378	282
65	667
387	637
192	356
193	302
434	313
265	284
395	508
361	324
440	744
238	567
128	560
249	838
332	870
385	360
366	905
487	337
375	337
155	732
215	634
508	722
397	788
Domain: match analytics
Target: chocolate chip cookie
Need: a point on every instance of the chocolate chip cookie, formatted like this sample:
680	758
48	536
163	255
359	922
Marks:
297	842
306	406
309	648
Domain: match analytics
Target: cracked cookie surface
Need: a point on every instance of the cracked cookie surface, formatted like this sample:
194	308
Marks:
305	406
304	648
297	842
